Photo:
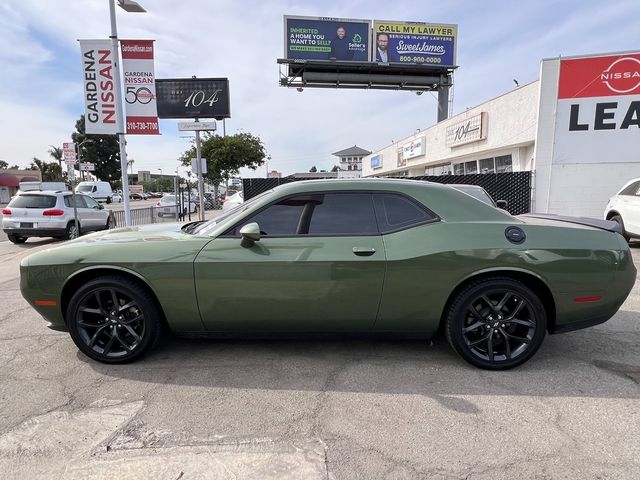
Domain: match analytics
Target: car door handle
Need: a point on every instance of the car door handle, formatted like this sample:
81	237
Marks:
364	251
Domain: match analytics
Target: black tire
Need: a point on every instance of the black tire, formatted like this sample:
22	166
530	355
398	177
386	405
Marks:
109	200
111	334
17	239
71	232
491	336
618	220
111	223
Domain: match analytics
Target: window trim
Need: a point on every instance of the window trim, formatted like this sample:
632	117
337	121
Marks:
435	218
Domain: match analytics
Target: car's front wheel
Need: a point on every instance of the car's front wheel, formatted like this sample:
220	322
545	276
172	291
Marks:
16	238
496	323
113	319
618	220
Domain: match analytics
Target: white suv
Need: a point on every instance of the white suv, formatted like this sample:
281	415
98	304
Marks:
50	214
624	208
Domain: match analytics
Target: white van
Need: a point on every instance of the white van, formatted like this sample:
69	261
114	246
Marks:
100	191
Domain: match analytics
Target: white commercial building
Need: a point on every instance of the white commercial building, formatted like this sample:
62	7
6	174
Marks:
577	129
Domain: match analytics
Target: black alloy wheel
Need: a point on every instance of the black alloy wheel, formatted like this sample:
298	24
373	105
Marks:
496	324
114	320
16	238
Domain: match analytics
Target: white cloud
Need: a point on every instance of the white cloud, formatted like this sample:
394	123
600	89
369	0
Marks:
41	91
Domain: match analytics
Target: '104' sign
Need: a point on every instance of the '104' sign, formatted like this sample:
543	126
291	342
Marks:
469	130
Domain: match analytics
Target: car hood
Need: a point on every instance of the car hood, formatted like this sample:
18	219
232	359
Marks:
144	233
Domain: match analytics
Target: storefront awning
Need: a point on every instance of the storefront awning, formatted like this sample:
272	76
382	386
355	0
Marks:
8	180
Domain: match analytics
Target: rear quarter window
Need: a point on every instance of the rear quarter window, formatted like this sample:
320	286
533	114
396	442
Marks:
397	212
33	201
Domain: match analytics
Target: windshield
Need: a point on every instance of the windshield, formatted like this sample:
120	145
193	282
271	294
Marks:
84	188
228	217
168	199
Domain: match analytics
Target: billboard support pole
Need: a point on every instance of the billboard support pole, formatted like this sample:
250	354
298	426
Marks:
443	102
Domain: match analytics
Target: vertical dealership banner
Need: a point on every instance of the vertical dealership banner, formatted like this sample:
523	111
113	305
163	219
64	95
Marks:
139	87
598	110
98	60
318	38
414	43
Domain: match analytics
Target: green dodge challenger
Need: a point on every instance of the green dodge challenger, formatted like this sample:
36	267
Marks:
360	256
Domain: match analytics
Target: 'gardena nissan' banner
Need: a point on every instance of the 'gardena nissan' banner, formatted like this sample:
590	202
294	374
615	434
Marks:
98	71
414	43
598	112
139	87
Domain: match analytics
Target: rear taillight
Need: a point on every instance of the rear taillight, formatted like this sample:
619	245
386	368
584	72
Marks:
6	211
56	212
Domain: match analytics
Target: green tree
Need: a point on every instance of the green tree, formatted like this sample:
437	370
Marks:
227	155
336	168
313	169
49	170
3	165
102	150
56	153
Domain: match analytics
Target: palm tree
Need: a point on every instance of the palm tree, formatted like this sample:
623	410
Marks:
56	153
49	171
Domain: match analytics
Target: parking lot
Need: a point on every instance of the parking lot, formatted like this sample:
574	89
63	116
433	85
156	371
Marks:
333	408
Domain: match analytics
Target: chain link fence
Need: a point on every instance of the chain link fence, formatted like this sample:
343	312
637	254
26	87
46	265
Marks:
514	187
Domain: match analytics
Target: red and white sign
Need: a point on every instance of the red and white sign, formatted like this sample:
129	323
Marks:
69	152
139	87
598	110
98	71
600	76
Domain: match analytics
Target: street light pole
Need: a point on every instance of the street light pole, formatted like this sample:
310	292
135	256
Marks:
120	110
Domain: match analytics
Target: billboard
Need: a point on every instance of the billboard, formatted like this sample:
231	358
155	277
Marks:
98	71
598	110
139	87
193	98
376	161
413	43
320	38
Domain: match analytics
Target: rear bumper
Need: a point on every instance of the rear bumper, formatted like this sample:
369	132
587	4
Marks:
35	232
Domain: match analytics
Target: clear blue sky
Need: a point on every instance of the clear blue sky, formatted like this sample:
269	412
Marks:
498	41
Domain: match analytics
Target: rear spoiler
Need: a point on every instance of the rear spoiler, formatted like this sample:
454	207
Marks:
607	225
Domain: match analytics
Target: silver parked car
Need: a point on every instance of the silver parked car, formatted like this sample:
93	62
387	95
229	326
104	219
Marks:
50	214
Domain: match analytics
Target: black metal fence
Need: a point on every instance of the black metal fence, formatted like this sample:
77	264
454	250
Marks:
514	187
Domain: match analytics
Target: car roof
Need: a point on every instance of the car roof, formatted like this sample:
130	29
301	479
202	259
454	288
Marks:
447	202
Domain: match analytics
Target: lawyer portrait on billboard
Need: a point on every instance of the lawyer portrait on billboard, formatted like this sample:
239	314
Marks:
329	39
413	43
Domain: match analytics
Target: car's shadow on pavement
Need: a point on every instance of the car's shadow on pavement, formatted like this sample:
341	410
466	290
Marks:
388	366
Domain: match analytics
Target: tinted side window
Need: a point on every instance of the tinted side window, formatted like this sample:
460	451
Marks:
91	203
33	201
279	219
68	201
344	214
395	212
631	189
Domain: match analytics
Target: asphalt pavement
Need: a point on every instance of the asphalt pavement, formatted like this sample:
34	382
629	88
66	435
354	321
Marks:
315	409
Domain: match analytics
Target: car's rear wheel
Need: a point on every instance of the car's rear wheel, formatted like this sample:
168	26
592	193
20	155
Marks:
16	238
72	231
113	319
618	220
496	323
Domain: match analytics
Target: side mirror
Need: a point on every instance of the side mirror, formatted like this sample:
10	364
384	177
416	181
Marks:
250	232
502	204
100	206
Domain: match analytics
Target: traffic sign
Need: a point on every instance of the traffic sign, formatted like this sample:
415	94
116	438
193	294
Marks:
69	151
196	126
87	167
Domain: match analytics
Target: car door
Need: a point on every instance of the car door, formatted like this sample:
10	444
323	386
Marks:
318	267
86	215
97	214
